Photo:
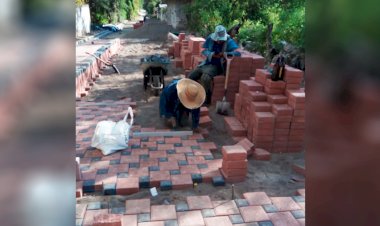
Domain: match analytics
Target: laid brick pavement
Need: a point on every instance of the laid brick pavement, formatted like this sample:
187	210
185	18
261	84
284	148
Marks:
198	211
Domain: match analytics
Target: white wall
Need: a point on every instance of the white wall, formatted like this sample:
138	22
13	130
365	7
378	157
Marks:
175	15
83	20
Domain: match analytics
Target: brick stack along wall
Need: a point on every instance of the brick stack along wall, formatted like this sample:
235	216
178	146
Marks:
88	70
272	112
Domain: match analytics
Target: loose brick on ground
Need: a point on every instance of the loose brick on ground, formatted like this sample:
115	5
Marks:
261	154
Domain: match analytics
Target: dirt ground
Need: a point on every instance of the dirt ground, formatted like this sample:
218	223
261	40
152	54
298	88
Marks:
275	177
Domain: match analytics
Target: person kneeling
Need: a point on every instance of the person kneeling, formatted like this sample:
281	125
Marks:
180	98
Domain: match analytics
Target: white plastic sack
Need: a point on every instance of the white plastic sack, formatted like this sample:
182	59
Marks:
110	136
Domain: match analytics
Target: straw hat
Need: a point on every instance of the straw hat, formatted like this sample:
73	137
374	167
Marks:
190	93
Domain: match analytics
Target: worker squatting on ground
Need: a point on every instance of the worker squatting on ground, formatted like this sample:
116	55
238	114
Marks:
182	97
217	46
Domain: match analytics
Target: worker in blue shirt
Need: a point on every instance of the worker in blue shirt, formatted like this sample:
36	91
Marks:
181	97
218	46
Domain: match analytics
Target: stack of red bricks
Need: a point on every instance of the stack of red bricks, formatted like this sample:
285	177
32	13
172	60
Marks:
87	75
297	125
187	52
205	120
272	112
234	166
239	68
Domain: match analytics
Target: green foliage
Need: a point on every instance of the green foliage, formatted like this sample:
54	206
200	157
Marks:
149	5
80	2
105	11
287	17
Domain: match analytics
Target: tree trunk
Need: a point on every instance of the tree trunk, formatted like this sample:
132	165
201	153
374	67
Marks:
269	42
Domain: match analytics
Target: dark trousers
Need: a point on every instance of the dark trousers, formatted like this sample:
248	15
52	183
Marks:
204	75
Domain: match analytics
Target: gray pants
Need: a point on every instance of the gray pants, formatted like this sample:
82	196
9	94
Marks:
204	75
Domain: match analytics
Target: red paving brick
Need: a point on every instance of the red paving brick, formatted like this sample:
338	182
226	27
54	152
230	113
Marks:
234	153
199	202
182	181
129	220
247	145
257	198
158	154
253	213
285	203
190	218
163	212
218	221
224	208
192	160
208	145
137	206
283	218
170	165
138	172
189	169
107	220
261	154
127	186
157	176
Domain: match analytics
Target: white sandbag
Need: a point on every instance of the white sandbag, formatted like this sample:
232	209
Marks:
110	136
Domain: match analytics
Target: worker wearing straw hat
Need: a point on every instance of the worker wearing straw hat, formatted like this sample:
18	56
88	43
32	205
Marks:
217	47
180	97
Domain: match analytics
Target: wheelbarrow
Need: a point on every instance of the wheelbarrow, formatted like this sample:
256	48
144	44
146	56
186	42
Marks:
154	67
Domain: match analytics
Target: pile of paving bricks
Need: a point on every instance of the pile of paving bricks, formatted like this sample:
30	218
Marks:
235	165
162	162
187	52
205	120
270	113
239	68
88	67
253	208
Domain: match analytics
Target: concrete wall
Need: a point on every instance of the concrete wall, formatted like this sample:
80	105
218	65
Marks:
83	20
175	14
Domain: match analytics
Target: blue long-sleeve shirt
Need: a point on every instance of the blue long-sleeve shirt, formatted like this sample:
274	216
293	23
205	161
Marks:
211	47
170	105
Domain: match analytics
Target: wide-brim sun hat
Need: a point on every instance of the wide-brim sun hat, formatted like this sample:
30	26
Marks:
191	94
220	34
